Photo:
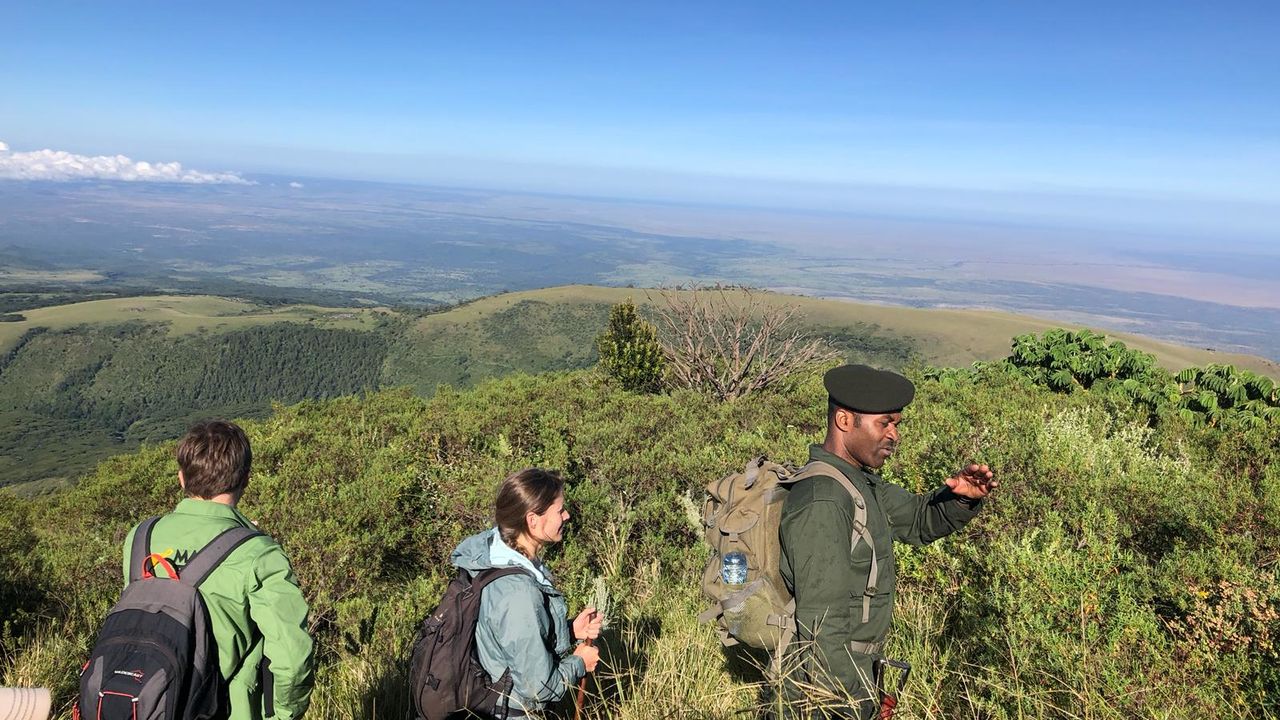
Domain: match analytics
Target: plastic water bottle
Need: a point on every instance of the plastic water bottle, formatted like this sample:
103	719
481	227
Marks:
733	569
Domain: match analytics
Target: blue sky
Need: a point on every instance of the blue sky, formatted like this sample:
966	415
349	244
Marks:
1175	105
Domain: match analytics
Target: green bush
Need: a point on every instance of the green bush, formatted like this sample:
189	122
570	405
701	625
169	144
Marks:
1221	395
21	587
629	350
1122	569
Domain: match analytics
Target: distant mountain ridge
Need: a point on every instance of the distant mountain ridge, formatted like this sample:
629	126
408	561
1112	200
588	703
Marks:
404	244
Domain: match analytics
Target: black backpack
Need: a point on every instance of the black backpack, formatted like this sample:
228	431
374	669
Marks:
445	675
156	657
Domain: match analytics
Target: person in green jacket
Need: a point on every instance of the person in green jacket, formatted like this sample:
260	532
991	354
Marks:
842	613
523	627
256	609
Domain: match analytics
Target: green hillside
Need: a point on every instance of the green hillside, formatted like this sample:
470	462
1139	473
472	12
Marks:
82	381
73	396
940	337
555	329
1124	569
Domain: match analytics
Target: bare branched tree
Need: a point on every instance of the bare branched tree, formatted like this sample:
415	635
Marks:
731	342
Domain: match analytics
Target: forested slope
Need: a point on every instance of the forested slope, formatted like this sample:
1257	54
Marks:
106	388
82	381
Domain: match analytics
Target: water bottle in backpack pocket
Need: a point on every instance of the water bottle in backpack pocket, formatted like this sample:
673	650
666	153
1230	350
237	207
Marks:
751	603
742	576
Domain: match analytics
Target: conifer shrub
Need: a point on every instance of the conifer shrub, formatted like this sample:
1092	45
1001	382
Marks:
629	350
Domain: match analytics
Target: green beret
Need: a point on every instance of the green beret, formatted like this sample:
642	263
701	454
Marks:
868	390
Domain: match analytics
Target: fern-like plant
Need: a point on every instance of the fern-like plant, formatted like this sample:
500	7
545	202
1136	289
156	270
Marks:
1224	396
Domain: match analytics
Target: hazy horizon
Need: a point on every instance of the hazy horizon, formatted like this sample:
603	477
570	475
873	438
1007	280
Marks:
1145	116
397	243
1096	161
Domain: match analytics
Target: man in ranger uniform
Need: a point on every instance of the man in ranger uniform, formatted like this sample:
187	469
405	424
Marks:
844	601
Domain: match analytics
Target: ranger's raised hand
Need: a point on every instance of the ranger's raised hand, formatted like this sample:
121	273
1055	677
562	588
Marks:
974	482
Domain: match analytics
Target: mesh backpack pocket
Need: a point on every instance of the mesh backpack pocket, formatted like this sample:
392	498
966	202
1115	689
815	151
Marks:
742	515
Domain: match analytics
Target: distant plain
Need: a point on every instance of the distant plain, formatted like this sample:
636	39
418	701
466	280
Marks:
377	243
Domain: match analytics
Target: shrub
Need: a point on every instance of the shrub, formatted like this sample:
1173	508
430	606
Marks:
1121	569
629	350
21	586
1222	396
731	342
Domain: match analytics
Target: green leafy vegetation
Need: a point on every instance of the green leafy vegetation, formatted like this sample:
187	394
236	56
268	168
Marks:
629	350
1124	568
1225	396
1065	361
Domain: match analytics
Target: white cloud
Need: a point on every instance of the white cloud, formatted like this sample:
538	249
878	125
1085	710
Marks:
62	165
295	185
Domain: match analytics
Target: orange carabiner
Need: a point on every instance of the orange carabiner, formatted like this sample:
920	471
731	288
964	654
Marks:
156	559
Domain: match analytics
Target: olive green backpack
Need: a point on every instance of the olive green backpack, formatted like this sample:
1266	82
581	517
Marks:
742	514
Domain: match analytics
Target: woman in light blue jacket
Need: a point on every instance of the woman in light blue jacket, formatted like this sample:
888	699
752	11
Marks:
523	626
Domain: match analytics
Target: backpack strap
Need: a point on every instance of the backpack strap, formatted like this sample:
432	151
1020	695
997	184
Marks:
484	577
211	556
141	548
482	580
817	468
488	575
786	622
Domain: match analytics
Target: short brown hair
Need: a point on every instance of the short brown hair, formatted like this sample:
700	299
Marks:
214	457
531	490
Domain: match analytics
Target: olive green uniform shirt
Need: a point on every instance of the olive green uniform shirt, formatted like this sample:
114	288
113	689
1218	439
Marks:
256	611
829	582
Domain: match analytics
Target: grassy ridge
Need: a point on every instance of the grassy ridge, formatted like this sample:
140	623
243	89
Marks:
184	314
941	337
1089	587
79	382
